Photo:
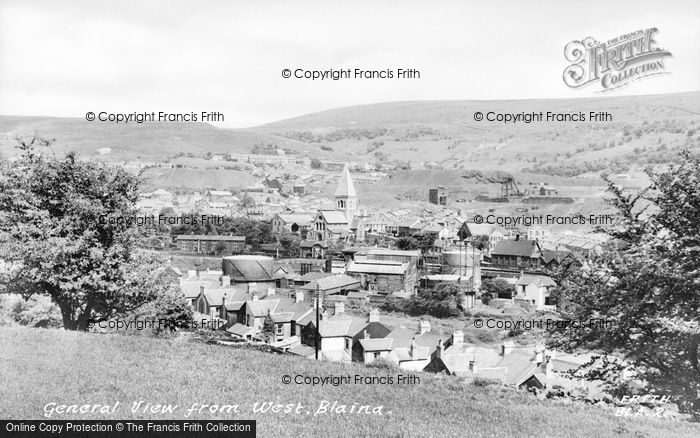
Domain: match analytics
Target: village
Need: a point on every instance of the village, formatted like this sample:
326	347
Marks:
329	301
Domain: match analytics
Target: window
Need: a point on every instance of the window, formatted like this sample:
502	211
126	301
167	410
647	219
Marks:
347	343
279	329
376	355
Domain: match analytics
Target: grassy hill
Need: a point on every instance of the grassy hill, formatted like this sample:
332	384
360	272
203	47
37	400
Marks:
645	131
43	366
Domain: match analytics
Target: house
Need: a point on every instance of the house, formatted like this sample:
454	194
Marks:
512	366
339	335
286	312
413	350
384	276
313	249
291	223
494	233
535	289
438	196
517	254
285	275
210	244
332	284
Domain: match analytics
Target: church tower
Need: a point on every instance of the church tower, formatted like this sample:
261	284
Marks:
345	195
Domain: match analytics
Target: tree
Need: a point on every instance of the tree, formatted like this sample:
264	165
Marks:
497	287
268	328
445	301
480	242
247	201
65	232
645	286
316	163
406	243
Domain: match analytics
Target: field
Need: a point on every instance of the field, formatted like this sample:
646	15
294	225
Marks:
44	366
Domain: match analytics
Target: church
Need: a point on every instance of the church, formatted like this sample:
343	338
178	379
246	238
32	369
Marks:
343	222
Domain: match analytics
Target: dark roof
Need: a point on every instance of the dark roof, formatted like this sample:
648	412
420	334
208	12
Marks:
521	248
311	243
549	255
332	282
211	237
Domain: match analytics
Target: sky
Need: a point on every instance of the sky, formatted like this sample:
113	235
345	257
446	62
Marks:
66	58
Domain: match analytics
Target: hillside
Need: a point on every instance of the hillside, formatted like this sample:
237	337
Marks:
147	141
99	369
432	137
447	129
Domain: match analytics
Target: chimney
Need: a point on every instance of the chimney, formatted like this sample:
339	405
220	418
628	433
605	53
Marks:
374	315
507	347
424	327
367	336
191	273
339	307
457	338
539	354
197	272
438	351
201	289
324	315
252	287
517	237
413	347
271	290
472	365
255	297
299	296
225	281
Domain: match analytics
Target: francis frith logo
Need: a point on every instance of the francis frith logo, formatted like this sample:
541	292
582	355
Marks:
614	63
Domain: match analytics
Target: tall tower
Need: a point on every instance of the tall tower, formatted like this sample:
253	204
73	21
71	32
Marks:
345	195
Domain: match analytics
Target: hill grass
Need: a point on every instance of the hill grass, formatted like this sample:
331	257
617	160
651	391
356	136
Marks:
43	366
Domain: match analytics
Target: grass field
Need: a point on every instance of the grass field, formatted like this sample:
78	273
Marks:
44	366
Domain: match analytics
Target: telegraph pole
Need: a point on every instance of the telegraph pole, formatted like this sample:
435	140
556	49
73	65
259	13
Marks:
318	328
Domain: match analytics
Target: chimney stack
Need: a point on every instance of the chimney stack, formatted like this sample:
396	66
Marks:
438	351
255	297
413	347
225	281
252	287
339	307
271	291
201	289
299	296
324	315
374	315
507	347
367	336
424	326
457	338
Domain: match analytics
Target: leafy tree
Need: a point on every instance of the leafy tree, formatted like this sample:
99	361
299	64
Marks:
497	287
247	201
443	302
316	163
62	234
290	245
646	286
480	242
406	243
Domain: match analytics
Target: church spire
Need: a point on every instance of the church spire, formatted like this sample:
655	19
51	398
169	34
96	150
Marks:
346	187
345	195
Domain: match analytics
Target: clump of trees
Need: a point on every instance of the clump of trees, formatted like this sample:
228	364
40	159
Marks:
55	242
646	286
443	302
497	288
